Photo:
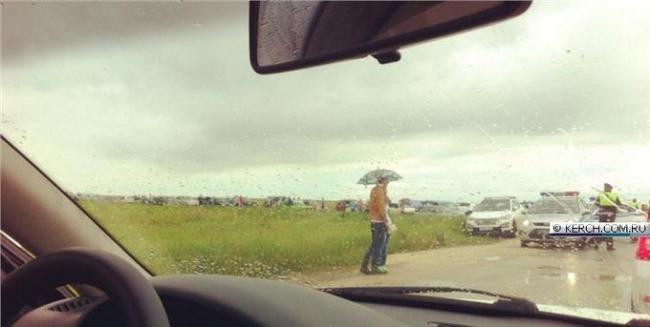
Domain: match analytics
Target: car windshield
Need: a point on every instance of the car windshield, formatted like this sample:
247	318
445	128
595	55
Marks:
149	115
555	206
493	205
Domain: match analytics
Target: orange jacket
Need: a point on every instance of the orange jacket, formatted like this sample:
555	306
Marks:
377	204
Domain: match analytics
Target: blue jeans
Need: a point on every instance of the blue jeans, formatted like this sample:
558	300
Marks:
384	250
378	249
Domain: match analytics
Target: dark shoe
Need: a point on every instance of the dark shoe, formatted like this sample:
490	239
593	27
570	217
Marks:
365	271
610	248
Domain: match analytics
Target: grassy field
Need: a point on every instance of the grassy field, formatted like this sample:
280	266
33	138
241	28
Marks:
261	242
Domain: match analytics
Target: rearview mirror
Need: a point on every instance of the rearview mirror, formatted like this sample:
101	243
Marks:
288	35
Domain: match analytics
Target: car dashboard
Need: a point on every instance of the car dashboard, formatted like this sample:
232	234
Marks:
236	301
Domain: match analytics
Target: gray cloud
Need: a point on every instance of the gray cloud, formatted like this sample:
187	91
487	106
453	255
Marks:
169	85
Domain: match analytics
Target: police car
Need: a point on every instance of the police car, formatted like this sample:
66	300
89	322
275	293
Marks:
495	215
552	207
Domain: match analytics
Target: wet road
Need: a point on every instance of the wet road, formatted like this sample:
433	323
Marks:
593	278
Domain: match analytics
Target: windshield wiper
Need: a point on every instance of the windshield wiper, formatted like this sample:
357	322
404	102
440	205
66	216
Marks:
504	303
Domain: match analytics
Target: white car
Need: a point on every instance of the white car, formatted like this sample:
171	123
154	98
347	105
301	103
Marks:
641	280
407	210
552	207
495	215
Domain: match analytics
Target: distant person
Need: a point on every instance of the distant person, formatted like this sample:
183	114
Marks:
608	203
634	204
341	207
360	206
375	256
353	206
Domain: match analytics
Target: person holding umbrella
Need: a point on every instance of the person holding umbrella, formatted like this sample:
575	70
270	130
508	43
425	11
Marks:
379	221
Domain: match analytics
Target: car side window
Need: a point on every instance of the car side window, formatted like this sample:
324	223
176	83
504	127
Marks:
515	206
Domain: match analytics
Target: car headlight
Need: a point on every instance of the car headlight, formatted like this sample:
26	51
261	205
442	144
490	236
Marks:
526	223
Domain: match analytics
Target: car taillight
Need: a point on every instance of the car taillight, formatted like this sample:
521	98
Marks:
643	251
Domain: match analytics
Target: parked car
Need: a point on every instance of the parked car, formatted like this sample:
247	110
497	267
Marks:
278	201
553	207
429	206
287	202
641	280
299	204
495	215
465	208
407	210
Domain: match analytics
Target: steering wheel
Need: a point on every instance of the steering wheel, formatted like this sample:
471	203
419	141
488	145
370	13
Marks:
132	292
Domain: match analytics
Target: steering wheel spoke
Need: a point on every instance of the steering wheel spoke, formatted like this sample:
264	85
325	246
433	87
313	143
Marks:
123	283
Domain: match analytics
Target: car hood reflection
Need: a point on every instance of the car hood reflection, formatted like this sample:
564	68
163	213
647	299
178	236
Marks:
618	317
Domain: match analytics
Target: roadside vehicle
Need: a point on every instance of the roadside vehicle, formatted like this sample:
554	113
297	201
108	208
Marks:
225	201
465	208
525	205
299	204
284	201
641	280
407	210
183	98
408	206
553	207
416	204
394	208
287	202
429	206
430	209
497	214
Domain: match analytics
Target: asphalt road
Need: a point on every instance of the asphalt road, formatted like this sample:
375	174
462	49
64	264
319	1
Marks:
593	278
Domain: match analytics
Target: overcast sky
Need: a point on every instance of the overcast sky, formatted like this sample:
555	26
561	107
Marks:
159	98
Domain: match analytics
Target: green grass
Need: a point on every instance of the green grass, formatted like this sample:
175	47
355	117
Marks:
261	242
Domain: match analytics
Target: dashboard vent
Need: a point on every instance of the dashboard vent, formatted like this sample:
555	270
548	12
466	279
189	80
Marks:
72	305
